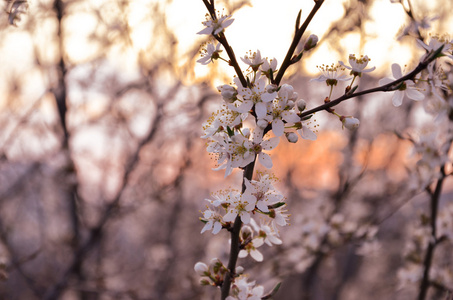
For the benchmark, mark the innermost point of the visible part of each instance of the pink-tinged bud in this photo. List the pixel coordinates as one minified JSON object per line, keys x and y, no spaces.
{"x":205,"y":282}
{"x":228,"y":93}
{"x":201,"y":268}
{"x":246,"y":232}
{"x":311,"y":42}
{"x":292,"y":137}
{"x":350,"y":123}
{"x":262,"y":123}
{"x":270,"y":88}
{"x":301,"y":104}
{"x":216,"y":265}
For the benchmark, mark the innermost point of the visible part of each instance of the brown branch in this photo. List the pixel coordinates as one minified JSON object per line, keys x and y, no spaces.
{"x":392,"y":86}
{"x":223,"y":40}
{"x":287,"y":61}
{"x":435,"y":197}
{"x":96,"y":232}
{"x":235,"y":245}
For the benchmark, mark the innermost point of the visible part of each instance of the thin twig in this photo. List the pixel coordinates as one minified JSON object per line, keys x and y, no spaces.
{"x":287,"y":61}
{"x":392,"y":86}
{"x":425,"y":283}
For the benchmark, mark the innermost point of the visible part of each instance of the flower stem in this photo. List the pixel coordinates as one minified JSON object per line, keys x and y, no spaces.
{"x":234,"y":248}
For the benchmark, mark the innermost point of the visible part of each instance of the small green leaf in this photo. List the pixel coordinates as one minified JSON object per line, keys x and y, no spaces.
{"x":298,"y":20}
{"x":273,"y":292}
{"x":351,"y":91}
{"x":297,"y":58}
{"x":230,"y":132}
{"x":276,"y":205}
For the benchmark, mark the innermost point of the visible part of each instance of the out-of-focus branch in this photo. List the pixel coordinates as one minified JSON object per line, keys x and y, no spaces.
{"x":435,"y":197}
{"x":96,"y":231}
{"x":17,"y":263}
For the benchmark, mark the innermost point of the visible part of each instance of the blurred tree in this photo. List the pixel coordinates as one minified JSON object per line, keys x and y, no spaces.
{"x":102,"y":171}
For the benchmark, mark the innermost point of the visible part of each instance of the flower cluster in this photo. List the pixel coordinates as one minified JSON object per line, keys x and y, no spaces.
{"x":243,"y":290}
{"x":420,"y":237}
{"x":257,"y":111}
{"x":260,"y":198}
{"x":275,"y":109}
{"x":432,"y":147}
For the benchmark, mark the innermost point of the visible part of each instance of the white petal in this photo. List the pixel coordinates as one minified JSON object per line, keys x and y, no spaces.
{"x":230,"y":216}
{"x":245,"y":107}
{"x":397,"y":99}
{"x":396,"y":71}
{"x":385,"y":81}
{"x":320,"y":78}
{"x":256,"y":255}
{"x":207,"y":30}
{"x":265,"y":160}
{"x":262,"y":206}
{"x":290,"y":116}
{"x":307,"y":134}
{"x":268,"y":97}
{"x":274,"y":240}
{"x":415,"y":95}
{"x":217,"y":228}
{"x":369,"y":70}
{"x":278,"y":127}
{"x":261,"y":109}
{"x":270,"y":143}
{"x":227,"y":23}
{"x":245,"y":218}
{"x":243,"y":253}
{"x":207,"y":226}
{"x":258,"y":242}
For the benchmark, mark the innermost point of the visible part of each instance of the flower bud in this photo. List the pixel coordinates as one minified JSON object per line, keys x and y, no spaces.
{"x":350,"y":123}
{"x":201,"y":268}
{"x":228,"y":93}
{"x":294,"y":96}
{"x":270,"y":88}
{"x":216,"y":265}
{"x":286,"y":90}
{"x":205,"y":282}
{"x":301,"y":104}
{"x":261,"y":123}
{"x":291,"y":137}
{"x":246,"y":232}
{"x":239,"y":270}
{"x":246,"y":132}
{"x":311,"y":42}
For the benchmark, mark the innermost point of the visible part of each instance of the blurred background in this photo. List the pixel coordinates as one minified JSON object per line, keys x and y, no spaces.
{"x":103,"y":174}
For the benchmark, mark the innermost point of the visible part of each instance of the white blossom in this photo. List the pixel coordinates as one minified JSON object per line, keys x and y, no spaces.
{"x":250,"y":248}
{"x":351,"y":123}
{"x":216,"y":26}
{"x":209,"y":54}
{"x":358,"y":65}
{"x":331,"y":75}
{"x":243,"y":290}
{"x":406,"y":88}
